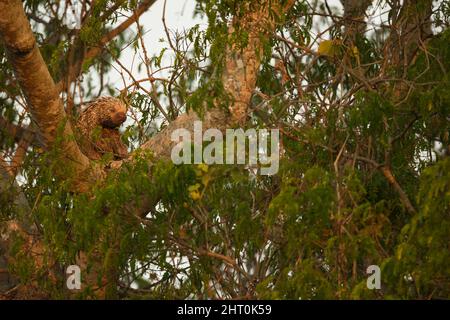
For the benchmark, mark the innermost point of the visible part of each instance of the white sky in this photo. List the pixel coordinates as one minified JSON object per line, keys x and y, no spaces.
{"x":179,"y":16}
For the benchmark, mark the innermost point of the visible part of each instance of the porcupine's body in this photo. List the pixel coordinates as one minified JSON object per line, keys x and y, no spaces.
{"x":98,"y":128}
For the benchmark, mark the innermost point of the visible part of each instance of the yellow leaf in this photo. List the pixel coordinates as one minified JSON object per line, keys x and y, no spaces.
{"x":203,"y":167}
{"x":329,"y":47}
{"x":325,"y":47}
{"x":355,"y":54}
{"x":195,"y":195}
{"x":194,"y":192}
{"x":194,"y":187}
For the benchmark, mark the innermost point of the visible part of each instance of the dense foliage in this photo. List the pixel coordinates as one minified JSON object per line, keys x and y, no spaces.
{"x":364,"y":175}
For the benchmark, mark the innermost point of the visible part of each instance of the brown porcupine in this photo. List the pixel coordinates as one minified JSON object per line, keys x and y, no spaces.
{"x":97,"y":128}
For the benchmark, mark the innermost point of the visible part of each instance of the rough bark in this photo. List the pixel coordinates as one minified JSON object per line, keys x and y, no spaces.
{"x":242,"y":65}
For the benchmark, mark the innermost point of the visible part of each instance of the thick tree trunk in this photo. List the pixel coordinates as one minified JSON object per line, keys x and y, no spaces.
{"x":45,"y":106}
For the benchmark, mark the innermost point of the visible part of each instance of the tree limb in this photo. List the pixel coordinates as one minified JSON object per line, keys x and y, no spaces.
{"x":42,"y":96}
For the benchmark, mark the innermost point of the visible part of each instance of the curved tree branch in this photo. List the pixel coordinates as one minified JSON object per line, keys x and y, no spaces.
{"x":46,"y":108}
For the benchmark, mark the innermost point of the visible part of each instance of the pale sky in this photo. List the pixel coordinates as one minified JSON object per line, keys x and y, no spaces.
{"x":179,"y":16}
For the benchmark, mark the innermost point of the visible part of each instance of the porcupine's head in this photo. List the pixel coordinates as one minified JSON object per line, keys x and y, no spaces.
{"x":107,"y":112}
